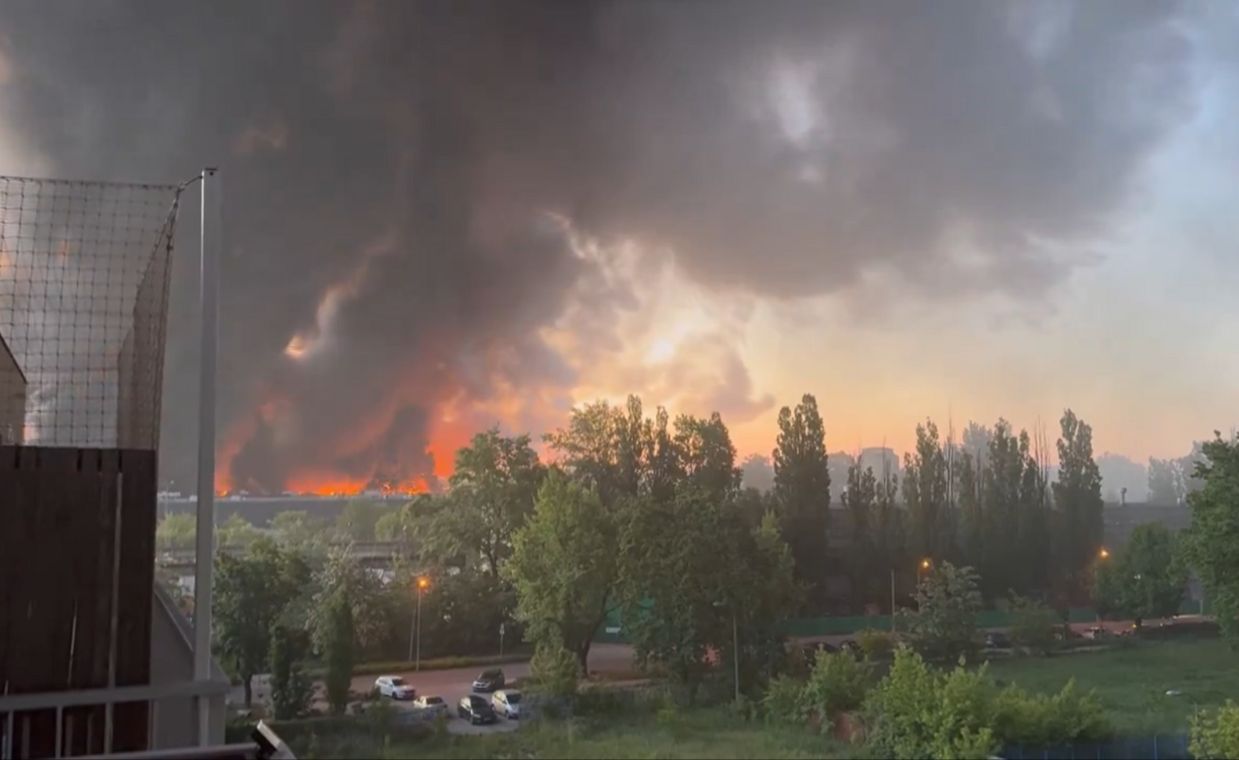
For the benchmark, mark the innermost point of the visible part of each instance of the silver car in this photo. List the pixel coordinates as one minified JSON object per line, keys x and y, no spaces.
{"x":507,"y":702}
{"x":431,"y":706}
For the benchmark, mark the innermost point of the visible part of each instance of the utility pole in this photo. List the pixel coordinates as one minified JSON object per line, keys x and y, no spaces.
{"x":892,"y":600}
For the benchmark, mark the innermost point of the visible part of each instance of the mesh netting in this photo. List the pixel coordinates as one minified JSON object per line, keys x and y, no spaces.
{"x":83,"y":308}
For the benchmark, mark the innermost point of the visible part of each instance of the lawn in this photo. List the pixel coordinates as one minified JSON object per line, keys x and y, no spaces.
{"x":1132,"y":682}
{"x":695,"y":733}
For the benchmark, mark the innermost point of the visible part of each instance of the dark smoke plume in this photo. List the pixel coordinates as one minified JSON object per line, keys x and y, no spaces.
{"x":405,"y":156}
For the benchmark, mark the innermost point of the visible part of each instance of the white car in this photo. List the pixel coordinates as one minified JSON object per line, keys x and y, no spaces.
{"x":394,"y":687}
{"x":432,"y":706}
{"x":507,"y":702}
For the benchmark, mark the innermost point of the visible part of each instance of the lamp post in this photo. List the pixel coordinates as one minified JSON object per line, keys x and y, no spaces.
{"x":415,"y":630}
{"x":1103,"y":554}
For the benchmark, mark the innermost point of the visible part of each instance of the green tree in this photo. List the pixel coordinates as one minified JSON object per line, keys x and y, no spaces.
{"x":931,"y":526}
{"x":291,"y":688}
{"x":707,"y":456}
{"x":251,"y":591}
{"x":944,"y":625}
{"x":865,"y":565}
{"x":296,"y":530}
{"x":493,"y":489}
{"x":802,"y":488}
{"x":1213,"y":539}
{"x":563,"y":567}
{"x":236,"y":532}
{"x":176,"y":532}
{"x":337,"y":648}
{"x":609,"y":449}
{"x":1145,"y":578}
{"x":1077,"y":503}
{"x":374,"y":605}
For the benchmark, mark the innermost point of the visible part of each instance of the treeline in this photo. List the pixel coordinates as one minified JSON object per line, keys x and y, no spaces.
{"x":645,"y":514}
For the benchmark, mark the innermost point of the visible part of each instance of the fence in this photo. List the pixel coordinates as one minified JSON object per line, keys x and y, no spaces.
{"x":1165,"y":747}
{"x":83,"y":305}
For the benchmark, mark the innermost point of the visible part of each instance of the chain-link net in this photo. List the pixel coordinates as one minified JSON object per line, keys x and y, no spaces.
{"x":83,"y":307}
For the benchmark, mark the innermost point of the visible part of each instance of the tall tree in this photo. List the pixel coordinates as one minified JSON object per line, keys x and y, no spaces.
{"x":1077,"y":504}
{"x":707,"y":456}
{"x":176,"y":531}
{"x":563,"y":567}
{"x":925,"y":493}
{"x":802,"y":488}
{"x":689,"y":568}
{"x":251,"y":591}
{"x":605,"y":448}
{"x":493,"y":489}
{"x":338,"y":649}
{"x":1213,"y":539}
{"x":865,"y":566}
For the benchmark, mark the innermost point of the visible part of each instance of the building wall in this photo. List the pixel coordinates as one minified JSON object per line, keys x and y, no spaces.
{"x":172,"y":661}
{"x":12,"y":398}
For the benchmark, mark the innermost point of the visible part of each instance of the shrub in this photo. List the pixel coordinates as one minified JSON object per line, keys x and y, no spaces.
{"x":875,"y":645}
{"x":1037,"y":719}
{"x":1032,"y":624}
{"x":1215,"y":734}
{"x":555,"y":671}
{"x":782,"y":704}
{"x":895,"y":711}
{"x":836,"y":684}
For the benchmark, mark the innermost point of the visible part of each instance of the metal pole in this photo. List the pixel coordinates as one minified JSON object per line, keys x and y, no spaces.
{"x":735,"y":640}
{"x":418,"y":666}
{"x":209,"y":239}
{"x":413,"y":623}
{"x":892,"y":600}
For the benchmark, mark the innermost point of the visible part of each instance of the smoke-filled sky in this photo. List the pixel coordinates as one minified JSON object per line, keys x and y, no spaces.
{"x":446,"y":215}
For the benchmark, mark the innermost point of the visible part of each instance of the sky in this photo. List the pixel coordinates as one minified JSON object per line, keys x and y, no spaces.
{"x":446,"y":216}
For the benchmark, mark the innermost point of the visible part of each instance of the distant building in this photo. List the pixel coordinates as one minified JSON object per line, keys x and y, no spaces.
{"x":12,"y":397}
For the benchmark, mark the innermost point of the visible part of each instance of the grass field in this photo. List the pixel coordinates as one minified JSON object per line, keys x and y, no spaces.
{"x":1132,"y":682}
{"x":696,"y":733}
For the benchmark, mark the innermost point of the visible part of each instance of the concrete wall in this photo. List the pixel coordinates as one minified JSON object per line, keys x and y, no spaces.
{"x":172,"y":661}
{"x":12,"y":397}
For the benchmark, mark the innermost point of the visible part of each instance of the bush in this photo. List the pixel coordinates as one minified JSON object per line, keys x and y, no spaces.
{"x":836,"y":684}
{"x":555,"y":671}
{"x":1032,"y":624}
{"x":875,"y":645}
{"x":1215,"y":734}
{"x":781,"y":703}
{"x":1037,"y":719}
{"x":896,"y":712}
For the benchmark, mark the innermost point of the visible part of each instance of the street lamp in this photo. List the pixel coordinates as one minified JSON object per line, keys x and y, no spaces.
{"x":926,"y":564}
{"x":415,"y":630}
{"x":1104,"y":553}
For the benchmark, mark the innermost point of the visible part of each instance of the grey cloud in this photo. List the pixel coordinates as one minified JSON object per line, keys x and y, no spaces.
{"x":454,"y":126}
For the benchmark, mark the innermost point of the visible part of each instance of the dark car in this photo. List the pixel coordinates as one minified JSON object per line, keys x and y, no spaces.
{"x":475,"y":709}
{"x":490,"y":680}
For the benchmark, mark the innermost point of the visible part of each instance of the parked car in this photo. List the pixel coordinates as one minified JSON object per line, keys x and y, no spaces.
{"x":434,"y":706}
{"x":851,"y":647}
{"x":475,"y":709}
{"x":489,"y":680}
{"x":507,"y":702}
{"x":394,"y":687}
{"x":1096,"y":632}
{"x":997,"y":640}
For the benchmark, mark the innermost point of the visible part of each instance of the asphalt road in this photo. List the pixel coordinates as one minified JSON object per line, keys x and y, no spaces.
{"x":455,"y":683}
